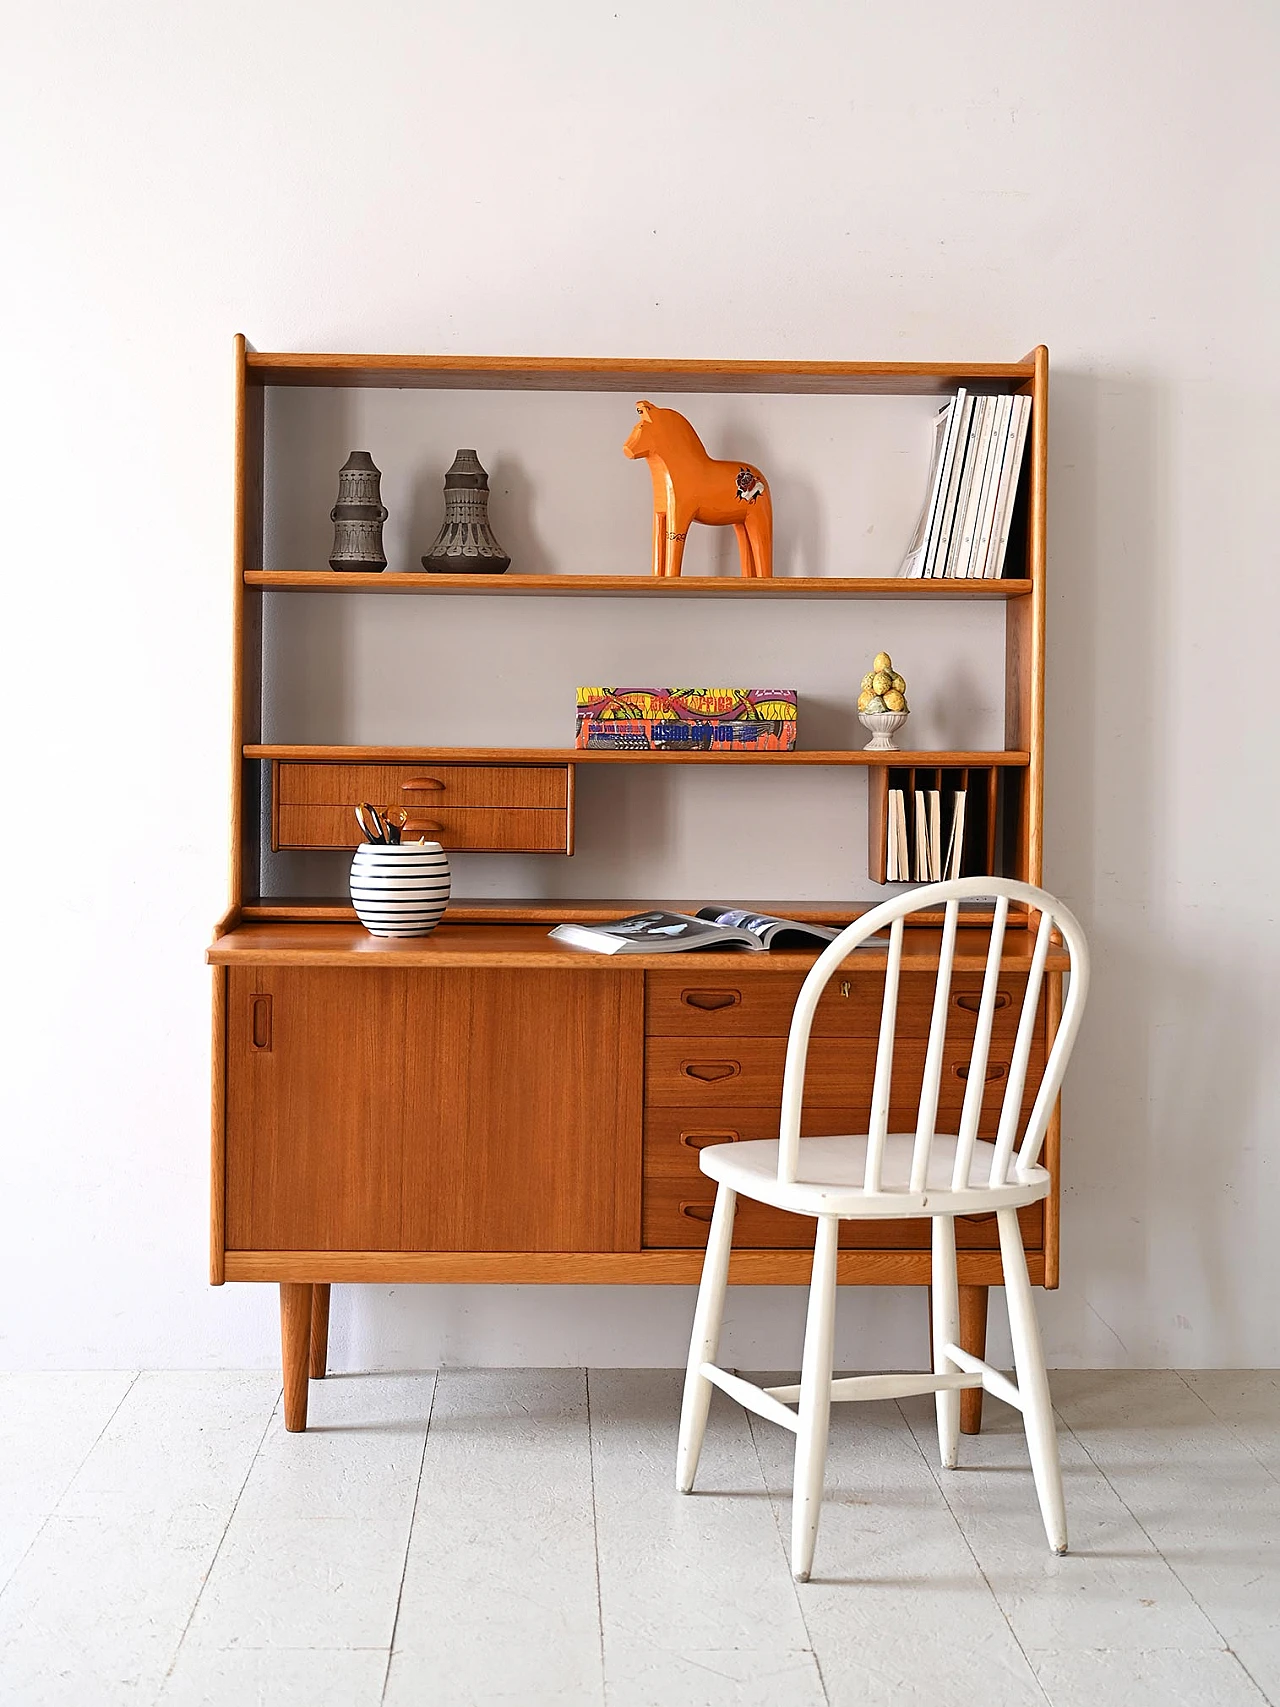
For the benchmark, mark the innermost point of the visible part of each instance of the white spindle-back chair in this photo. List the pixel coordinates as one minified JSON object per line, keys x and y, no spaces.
{"x":896,"y":1175}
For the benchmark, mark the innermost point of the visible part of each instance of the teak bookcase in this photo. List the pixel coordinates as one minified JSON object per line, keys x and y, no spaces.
{"x":485,"y":1104}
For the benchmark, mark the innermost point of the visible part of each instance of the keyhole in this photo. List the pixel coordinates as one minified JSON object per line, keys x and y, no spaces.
{"x":844,"y":988}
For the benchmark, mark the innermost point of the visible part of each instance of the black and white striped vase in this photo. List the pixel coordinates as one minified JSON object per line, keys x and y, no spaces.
{"x":400,"y":891}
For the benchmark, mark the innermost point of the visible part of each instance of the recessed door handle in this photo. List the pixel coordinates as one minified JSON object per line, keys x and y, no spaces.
{"x":697,"y":1211}
{"x":260,"y":1024}
{"x":961,"y":1071}
{"x":709,"y":1071}
{"x":709,"y":1001}
{"x":971,"y":1004}
{"x":701,"y":1140}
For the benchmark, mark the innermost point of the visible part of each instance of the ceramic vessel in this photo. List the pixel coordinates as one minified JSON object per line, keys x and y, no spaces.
{"x":358,"y":516}
{"x":400,"y":891}
{"x":882,"y":725}
{"x":465,"y":544}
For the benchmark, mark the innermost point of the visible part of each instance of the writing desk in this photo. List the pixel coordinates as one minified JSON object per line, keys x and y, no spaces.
{"x":487,"y":1104}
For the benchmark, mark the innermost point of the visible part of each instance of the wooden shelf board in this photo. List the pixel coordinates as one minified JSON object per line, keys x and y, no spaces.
{"x":591,"y":373}
{"x":583,"y":756}
{"x":523,"y":910}
{"x":637,"y":586}
{"x":341,"y":942}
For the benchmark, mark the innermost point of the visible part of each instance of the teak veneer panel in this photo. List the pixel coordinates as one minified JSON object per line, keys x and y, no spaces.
{"x":482,"y":829}
{"x":638,"y":586}
{"x":590,"y":756}
{"x":422,"y":1110}
{"x":613,"y":373}
{"x":419,"y":787}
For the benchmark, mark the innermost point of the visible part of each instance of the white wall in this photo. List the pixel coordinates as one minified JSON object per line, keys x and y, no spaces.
{"x":702,"y":178}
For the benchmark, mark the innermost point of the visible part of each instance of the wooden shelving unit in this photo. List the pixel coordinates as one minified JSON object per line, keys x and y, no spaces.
{"x":483,"y":1105}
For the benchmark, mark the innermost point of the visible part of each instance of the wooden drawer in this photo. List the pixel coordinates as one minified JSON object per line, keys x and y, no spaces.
{"x":477,"y":829}
{"x":678,"y":1196}
{"x":421,"y":786}
{"x":682,"y":1004}
{"x":745,"y":1073}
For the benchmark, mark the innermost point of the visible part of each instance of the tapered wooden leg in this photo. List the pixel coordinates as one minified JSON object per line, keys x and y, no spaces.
{"x":973,"y":1338}
{"x":815,"y":1399}
{"x":1033,"y":1383}
{"x":945,"y":1321}
{"x":319,"y":1332}
{"x":705,"y":1339}
{"x":295,"y":1352}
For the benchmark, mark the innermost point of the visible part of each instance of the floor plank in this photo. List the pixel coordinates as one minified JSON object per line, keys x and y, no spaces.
{"x":499,"y":1601}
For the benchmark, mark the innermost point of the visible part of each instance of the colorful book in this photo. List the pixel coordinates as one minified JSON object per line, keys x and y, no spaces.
{"x":686,"y":719}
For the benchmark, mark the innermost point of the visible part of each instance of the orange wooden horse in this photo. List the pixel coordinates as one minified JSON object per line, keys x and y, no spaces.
{"x":689,"y":486}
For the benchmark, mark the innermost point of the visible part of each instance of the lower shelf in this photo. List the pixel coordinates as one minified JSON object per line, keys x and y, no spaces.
{"x":604,"y":1268}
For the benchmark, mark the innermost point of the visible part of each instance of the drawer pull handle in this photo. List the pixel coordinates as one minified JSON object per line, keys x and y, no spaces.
{"x":697,"y":1211}
{"x":961,"y":1071}
{"x":423,"y":782}
{"x":709,"y":1001}
{"x":260,"y":1024}
{"x":700,"y":1140}
{"x":971,"y":1004}
{"x":423,"y":824}
{"x":708,"y":1071}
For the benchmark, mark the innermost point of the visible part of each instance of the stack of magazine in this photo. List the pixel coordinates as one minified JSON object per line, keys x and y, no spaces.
{"x":963,"y":529}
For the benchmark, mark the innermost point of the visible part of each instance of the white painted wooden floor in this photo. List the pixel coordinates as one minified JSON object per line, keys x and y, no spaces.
{"x":513,"y":1536}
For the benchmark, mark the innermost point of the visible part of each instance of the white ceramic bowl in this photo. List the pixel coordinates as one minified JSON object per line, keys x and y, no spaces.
{"x":882,"y":725}
{"x":400,"y":891}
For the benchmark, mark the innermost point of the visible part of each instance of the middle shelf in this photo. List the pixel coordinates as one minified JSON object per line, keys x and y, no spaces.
{"x":1011,"y":757}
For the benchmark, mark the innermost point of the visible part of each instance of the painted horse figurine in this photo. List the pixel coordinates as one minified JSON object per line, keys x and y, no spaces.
{"x":689,"y":486}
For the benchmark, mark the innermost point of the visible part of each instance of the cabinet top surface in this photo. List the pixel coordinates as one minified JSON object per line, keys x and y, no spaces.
{"x":300,"y":943}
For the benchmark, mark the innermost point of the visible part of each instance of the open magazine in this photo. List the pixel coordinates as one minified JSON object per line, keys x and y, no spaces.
{"x":709,"y":927}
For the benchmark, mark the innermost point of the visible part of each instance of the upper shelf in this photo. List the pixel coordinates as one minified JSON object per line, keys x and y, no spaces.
{"x":538,"y":373}
{"x":638,"y":586}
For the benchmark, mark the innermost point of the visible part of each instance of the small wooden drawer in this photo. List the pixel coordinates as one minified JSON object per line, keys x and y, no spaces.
{"x":474,"y":829}
{"x":678,"y":1196}
{"x":421,"y":786}
{"x":681,"y":1004}
{"x":746,"y":1073}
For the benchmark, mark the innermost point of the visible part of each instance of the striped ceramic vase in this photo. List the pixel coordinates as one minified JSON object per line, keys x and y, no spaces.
{"x":400,"y":891}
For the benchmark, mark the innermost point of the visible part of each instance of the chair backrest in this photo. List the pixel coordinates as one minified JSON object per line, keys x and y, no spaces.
{"x":1011,"y":1160}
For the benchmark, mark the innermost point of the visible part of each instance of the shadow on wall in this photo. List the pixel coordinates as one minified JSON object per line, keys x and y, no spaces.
{"x":1164,"y":1084}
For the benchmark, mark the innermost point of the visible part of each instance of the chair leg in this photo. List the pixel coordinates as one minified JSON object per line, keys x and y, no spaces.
{"x":1033,"y":1383}
{"x":946,"y":1329}
{"x":705,"y":1339}
{"x":815,"y":1399}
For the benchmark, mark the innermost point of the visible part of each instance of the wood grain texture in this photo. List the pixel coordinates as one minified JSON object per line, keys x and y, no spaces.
{"x":469,"y":1110}
{"x":478,"y":910}
{"x":639,"y":586}
{"x":319,"y":1363}
{"x":612,"y":373}
{"x":522,"y":1112}
{"x":295,"y":1351}
{"x":973,"y":1338}
{"x":421,"y":787}
{"x":684,"y":1005}
{"x":678,"y":1196}
{"x":585,"y":756}
{"x":218,"y":1132}
{"x":746,"y":1073}
{"x":602,"y":1268}
{"x":477,"y":829}
{"x":286,"y":942}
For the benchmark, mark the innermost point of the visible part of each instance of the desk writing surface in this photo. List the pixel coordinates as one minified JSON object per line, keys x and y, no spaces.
{"x":339,"y":943}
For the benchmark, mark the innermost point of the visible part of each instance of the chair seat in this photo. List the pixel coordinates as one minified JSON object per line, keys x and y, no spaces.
{"x":831,"y":1172}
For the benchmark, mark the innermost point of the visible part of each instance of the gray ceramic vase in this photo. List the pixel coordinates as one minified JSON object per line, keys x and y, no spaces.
{"x":358,"y":516}
{"x":465,"y":544}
